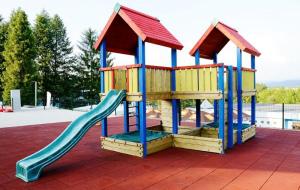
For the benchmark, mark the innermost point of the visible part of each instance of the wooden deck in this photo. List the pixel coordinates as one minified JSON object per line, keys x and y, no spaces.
{"x":270,"y":161}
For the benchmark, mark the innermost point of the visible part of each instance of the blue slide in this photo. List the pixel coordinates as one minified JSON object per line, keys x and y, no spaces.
{"x":30,"y":168}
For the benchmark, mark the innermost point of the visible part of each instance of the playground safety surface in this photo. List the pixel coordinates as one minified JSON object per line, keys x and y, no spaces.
{"x":269,"y":161}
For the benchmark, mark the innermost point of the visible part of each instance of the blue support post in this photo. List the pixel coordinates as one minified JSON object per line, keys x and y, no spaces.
{"x":102,"y":83}
{"x":198,"y":102}
{"x":230,"y":107}
{"x":253,"y":98}
{"x":239,"y":96}
{"x":173,"y":88}
{"x":179,"y":111}
{"x":126,"y":116}
{"x":215,"y":61}
{"x":221,"y":105}
{"x":142,"y":89}
{"x":137,"y":118}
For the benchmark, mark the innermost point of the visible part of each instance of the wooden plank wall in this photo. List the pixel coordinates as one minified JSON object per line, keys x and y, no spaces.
{"x":158,"y":80}
{"x":197,"y":143}
{"x":248,"y":133}
{"x":166,"y":113}
{"x":133,"y":86}
{"x":197,"y":80}
{"x":120,"y":79}
{"x":107,"y":81}
{"x":125,"y":147}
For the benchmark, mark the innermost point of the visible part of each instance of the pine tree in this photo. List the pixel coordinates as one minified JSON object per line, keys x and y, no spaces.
{"x":88,"y":63}
{"x":19,"y":57}
{"x":62,"y":63}
{"x":44,"y":41}
{"x":3,"y":37}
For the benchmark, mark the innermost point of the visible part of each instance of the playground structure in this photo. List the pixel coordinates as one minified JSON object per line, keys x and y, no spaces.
{"x":126,"y":32}
{"x":217,"y":82}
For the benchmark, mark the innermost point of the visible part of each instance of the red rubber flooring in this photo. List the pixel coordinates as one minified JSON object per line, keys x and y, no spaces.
{"x":270,"y":161}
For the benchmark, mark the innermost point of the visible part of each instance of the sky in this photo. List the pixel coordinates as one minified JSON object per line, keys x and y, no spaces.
{"x":272,"y":26}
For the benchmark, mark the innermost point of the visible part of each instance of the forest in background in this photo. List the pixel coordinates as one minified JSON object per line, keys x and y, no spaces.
{"x":42,"y":52}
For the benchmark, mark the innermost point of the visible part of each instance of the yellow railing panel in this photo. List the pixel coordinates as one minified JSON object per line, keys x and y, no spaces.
{"x":208,"y":80}
{"x":248,"y":80}
{"x":202,"y":80}
{"x":195,"y":80}
{"x":213,"y":79}
{"x":120,"y":79}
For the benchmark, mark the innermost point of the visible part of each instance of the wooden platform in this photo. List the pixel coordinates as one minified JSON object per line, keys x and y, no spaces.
{"x":270,"y":161}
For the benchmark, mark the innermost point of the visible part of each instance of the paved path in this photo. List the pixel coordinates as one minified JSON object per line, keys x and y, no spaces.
{"x":270,"y":161}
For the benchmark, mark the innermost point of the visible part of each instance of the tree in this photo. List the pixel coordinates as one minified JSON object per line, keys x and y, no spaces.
{"x":19,"y":54}
{"x":44,"y":41}
{"x":62,"y":63}
{"x":3,"y":37}
{"x":88,"y":62}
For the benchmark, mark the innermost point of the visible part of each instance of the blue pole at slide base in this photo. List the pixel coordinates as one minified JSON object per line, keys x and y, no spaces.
{"x":142,"y":89}
{"x":126,"y":116}
{"x":215,"y":61}
{"x":137,"y":117}
{"x":173,"y":88}
{"x":102,"y":82}
{"x":198,"y":102}
{"x":230,"y":107}
{"x":239,"y":96}
{"x":221,"y":105}
{"x":253,"y":98}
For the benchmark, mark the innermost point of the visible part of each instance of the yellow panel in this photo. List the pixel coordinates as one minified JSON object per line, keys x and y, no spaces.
{"x":158,"y":78}
{"x":153,"y":81}
{"x":195,"y":79}
{"x":168,"y":80}
{"x":214,"y":82}
{"x":207,"y":79}
{"x":178,"y":76}
{"x":188,"y":82}
{"x":106,"y":80}
{"x":148,"y":80}
{"x":135,"y":80}
{"x":183,"y":80}
{"x":201,"y":80}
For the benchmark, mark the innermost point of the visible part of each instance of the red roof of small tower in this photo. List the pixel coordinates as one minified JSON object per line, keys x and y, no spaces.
{"x":216,"y":37}
{"x":126,"y":24}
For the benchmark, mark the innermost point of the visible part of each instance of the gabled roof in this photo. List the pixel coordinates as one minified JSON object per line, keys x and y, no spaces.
{"x":216,"y":37}
{"x":126,"y":24}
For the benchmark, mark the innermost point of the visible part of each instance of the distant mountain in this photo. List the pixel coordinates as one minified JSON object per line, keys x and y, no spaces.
{"x":285,"y":83}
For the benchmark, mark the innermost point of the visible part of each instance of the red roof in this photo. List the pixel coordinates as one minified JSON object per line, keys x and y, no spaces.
{"x":216,"y":37}
{"x":126,"y":24}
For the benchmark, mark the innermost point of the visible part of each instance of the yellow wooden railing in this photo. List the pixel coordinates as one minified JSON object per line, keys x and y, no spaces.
{"x":158,"y":80}
{"x":197,"y":80}
{"x":248,"y":80}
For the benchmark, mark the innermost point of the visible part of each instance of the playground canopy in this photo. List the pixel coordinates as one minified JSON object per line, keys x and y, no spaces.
{"x":216,"y":37}
{"x":125,"y":25}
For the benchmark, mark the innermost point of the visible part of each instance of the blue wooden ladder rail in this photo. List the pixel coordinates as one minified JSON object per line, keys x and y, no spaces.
{"x":198,"y":102}
{"x":142,"y":90}
{"x":230,"y":107}
{"x":173,"y":89}
{"x":239,"y":96}
{"x":102,"y":52}
{"x":221,"y":105}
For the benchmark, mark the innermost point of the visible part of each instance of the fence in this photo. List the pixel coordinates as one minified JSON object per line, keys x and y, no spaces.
{"x":282,"y":116}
